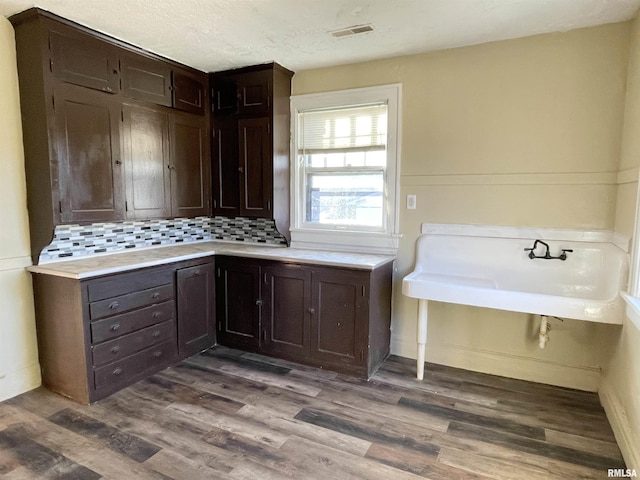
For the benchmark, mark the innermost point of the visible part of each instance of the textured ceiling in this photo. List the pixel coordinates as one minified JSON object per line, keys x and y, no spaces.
{"x":215,"y":35}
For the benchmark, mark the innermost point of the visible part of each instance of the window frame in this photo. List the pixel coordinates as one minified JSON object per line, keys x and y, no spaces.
{"x":340,"y":237}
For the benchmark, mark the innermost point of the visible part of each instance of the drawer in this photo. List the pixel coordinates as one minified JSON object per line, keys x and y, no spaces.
{"x":126,"y":345}
{"x":135,"y":364}
{"x":115,"y":305}
{"x":123,"y":283}
{"x":119,"y":325}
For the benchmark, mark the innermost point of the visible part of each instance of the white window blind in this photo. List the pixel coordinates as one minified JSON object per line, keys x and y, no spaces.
{"x":343,"y":156}
{"x":360,"y":128}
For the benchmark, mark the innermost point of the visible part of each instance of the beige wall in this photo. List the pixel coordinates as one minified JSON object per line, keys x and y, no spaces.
{"x":19,"y":370}
{"x":521,"y":132}
{"x":620,"y":392}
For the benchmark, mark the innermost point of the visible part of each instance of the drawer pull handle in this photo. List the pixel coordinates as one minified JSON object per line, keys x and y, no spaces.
{"x":156,"y":314}
{"x":117,"y":371}
{"x":155,"y":334}
{"x":196,"y":273}
{"x":312,"y":311}
{"x":115,"y":349}
{"x":114,"y":306}
{"x":115,"y":327}
{"x":155,"y":295}
{"x":157,"y":354}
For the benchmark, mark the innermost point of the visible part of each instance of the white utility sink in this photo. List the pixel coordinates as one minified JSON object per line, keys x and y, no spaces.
{"x":496,"y":272}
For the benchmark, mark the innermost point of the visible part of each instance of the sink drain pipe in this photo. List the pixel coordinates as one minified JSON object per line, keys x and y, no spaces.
{"x":543,"y":336}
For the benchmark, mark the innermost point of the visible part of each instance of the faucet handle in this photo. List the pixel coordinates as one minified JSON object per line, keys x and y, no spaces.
{"x":563,"y":255}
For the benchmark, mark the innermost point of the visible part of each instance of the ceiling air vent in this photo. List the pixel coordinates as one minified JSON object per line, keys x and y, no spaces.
{"x":353,"y":30}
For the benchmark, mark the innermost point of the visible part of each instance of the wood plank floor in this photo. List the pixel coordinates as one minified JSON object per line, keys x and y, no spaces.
{"x":232,"y":415}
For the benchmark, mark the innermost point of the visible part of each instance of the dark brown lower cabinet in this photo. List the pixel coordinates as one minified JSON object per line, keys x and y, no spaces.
{"x":238,"y":302}
{"x":340,"y":317}
{"x":329,"y":317}
{"x":97,"y":336}
{"x":287,"y":310}
{"x":196,"y":308}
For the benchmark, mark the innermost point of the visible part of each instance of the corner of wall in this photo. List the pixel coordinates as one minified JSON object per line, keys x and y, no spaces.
{"x":627,"y":436}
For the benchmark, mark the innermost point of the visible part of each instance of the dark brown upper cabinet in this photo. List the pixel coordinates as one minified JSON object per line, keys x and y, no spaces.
{"x":190,"y":166}
{"x":105,"y":129}
{"x":225,"y":167}
{"x":147,"y":160}
{"x":166,"y":163}
{"x":256,"y":174}
{"x":146,"y":79}
{"x":189,"y":92}
{"x":87,"y":145}
{"x":250,"y":155}
{"x":254,"y":92}
{"x":224,"y":98}
{"x":81,"y":60}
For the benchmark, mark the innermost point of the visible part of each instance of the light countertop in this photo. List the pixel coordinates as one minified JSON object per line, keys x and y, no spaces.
{"x":97,"y":265}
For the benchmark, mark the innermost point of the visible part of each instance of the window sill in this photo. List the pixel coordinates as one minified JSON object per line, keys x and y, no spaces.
{"x":346,"y":241}
{"x":633,"y":308}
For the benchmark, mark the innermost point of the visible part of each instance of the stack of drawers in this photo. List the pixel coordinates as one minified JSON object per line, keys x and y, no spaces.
{"x":132,"y":326}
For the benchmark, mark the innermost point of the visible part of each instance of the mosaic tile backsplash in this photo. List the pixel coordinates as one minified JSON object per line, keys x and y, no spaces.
{"x":81,"y":240}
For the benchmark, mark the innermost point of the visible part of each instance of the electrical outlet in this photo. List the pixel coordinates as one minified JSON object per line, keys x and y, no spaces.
{"x":411,"y":202}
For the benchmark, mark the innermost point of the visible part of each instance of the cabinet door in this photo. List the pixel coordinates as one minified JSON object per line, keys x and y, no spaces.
{"x":226,"y":184}
{"x":146,"y":79}
{"x":85,"y":61}
{"x":339,"y":320}
{"x":196,"y":309}
{"x":287,"y":309}
{"x":238,"y":302}
{"x":189,"y":92}
{"x":190,"y":166}
{"x":146,"y":154}
{"x":87,"y":140}
{"x":225,"y":96}
{"x":255,"y":167}
{"x":254,"y":92}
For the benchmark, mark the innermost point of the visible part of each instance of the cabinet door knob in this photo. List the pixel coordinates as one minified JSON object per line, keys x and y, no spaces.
{"x":155,"y":333}
{"x":241,"y":169}
{"x":118,"y":162}
{"x":259,"y":302}
{"x":117,"y":371}
{"x":156,"y":314}
{"x":115,"y":349}
{"x":312,"y":311}
{"x":157,"y":354}
{"x":114,"y":306}
{"x":155,"y":295}
{"x":115,"y":327}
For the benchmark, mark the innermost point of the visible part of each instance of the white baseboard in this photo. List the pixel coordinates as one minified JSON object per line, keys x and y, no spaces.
{"x":628,"y":438}
{"x":505,"y":365}
{"x":20,"y":381}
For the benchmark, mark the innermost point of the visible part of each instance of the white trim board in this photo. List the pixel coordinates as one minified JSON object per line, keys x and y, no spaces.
{"x":605,"y":178}
{"x":506,"y":231}
{"x":19,"y":381}
{"x":504,"y":365}
{"x":627,"y":437}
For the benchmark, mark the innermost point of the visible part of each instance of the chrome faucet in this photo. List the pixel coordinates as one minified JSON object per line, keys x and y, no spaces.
{"x":547,"y":254}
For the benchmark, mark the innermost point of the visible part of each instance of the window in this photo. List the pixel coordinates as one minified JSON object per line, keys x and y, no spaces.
{"x":344,"y":176}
